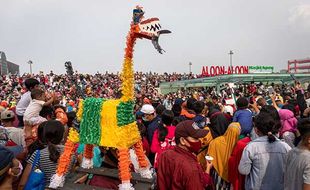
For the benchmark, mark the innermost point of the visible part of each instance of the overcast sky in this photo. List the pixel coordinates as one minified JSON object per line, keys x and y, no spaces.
{"x":91,"y":33}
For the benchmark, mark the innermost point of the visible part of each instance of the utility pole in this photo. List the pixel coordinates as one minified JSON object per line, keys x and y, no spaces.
{"x":30,"y":65}
{"x":231,"y":54}
{"x":190,"y":67}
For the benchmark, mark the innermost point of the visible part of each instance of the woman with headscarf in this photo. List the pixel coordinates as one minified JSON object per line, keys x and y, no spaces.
{"x":218,"y":122}
{"x":220,"y":149}
{"x":217,"y":127}
{"x":288,"y":126}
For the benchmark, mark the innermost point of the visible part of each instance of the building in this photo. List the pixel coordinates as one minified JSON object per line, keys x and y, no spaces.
{"x":217,"y":81}
{"x":6,"y":66}
{"x":299,"y":66}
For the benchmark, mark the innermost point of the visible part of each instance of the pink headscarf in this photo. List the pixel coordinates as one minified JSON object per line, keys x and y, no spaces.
{"x":288,"y":121}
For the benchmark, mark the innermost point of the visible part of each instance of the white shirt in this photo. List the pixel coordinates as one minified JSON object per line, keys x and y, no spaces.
{"x":33,"y":110}
{"x":23,"y":103}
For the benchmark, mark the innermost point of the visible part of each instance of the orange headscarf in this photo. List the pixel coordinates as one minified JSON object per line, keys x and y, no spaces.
{"x":221,"y":148}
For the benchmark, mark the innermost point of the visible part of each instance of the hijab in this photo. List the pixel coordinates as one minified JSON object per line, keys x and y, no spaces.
{"x":221,"y":148}
{"x":218,"y":122}
{"x":288,"y":121}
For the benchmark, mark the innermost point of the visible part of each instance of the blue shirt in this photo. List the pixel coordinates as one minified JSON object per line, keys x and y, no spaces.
{"x":200,"y":121}
{"x":244,"y":117}
{"x":151,"y":128}
{"x":263,"y":163}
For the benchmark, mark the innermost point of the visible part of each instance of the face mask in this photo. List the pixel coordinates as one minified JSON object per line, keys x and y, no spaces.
{"x":144,"y":119}
{"x":195,"y":146}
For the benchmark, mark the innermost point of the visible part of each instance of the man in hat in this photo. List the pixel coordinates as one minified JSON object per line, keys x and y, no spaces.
{"x":15,"y":134}
{"x":178,"y":168}
{"x":150,"y":120}
{"x":16,"y":139}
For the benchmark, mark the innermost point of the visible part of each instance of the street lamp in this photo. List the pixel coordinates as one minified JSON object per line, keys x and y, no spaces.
{"x":231,"y":54}
{"x":30,"y":64}
{"x":190,"y":67}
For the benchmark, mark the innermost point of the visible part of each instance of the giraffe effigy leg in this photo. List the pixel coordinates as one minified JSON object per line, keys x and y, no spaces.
{"x":87,"y":161}
{"x":58,"y":179}
{"x":144,"y":170}
{"x":124,"y":171}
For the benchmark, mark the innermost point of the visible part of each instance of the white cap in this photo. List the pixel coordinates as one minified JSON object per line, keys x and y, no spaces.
{"x":7,"y":114}
{"x":147,"y":109}
{"x":229,"y":109}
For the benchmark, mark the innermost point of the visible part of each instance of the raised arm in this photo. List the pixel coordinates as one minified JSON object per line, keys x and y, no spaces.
{"x":272,"y":97}
{"x":300,"y":98}
{"x":50,"y":101}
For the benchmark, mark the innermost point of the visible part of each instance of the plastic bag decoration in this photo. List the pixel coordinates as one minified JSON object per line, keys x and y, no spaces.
{"x":111,"y":123}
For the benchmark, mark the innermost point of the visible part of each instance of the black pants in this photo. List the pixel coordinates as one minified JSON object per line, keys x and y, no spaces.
{"x":20,"y":121}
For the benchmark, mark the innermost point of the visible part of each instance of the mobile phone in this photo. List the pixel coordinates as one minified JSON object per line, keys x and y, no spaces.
{"x":270,"y":90}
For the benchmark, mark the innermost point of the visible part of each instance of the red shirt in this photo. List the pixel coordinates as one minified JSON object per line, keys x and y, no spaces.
{"x":235,"y":178}
{"x":179,"y":169}
{"x":158,"y":147}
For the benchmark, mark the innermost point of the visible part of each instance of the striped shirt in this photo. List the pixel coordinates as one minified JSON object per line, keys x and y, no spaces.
{"x":46,"y":165}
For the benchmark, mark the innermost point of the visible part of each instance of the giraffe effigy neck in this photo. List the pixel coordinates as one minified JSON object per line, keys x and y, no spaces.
{"x":127,"y":74}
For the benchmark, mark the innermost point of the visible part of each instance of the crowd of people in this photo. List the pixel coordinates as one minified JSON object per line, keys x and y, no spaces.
{"x":243,"y":136}
{"x":100,"y":85}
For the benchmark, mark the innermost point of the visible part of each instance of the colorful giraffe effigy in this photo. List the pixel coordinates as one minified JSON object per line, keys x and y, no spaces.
{"x":111,"y":123}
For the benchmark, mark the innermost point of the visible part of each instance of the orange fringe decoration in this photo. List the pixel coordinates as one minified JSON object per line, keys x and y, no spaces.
{"x":88,"y":152}
{"x":140,"y":154}
{"x":123,"y":164}
{"x":131,"y":39}
{"x":65,"y":158}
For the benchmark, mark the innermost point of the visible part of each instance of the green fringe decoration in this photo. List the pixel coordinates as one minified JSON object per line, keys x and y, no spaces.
{"x":90,"y":128}
{"x":125,"y":114}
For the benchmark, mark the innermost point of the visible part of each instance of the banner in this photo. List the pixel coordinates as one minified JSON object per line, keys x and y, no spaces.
{"x":223,"y":70}
{"x":227,"y":70}
{"x":261,"y":69}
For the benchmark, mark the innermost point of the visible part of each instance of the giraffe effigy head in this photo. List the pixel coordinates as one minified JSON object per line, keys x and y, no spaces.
{"x":148,"y":28}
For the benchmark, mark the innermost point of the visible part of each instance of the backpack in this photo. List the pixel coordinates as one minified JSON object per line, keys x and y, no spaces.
{"x":4,"y":137}
{"x":168,"y":143}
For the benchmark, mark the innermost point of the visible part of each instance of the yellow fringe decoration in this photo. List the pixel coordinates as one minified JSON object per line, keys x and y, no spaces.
{"x":73,"y":135}
{"x":111,"y":134}
{"x":127,"y":77}
{"x":79,"y":114}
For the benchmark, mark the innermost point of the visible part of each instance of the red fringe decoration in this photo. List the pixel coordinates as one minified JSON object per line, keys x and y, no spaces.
{"x":88,"y":152}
